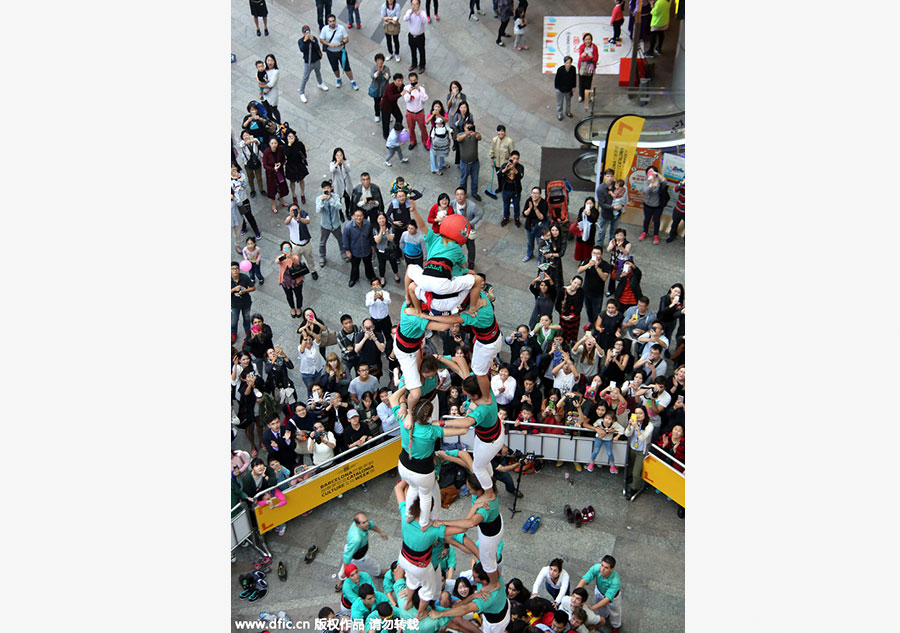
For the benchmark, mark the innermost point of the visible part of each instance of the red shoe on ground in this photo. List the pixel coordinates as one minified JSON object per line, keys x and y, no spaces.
{"x":643,"y":235}
{"x":656,"y":239}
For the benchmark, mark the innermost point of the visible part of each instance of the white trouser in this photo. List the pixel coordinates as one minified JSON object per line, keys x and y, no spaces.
{"x":409,"y":368}
{"x":481,"y":460}
{"x":612,"y":611}
{"x":483,"y":355}
{"x":447,"y":304}
{"x":439,"y":285}
{"x":500,"y":627}
{"x":421,"y":578}
{"x":487,"y":549}
{"x":368,"y":565}
{"x":421,"y":487}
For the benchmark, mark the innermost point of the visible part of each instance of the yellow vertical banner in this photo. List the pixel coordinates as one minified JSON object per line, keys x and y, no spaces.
{"x":621,"y":144}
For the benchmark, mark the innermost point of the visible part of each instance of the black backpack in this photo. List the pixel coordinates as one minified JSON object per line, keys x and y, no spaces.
{"x":663,"y":194}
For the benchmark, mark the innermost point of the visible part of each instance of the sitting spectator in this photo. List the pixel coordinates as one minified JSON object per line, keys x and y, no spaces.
{"x":553,"y":581}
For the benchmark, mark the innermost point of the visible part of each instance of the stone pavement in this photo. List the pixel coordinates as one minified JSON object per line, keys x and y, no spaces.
{"x":502,"y":86}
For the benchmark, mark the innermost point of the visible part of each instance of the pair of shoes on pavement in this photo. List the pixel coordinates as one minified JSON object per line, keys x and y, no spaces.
{"x":532,"y":524}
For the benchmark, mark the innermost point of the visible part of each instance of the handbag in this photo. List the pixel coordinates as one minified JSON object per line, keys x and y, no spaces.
{"x":253,"y":162}
{"x":392,"y":28}
{"x":298,"y":270}
{"x":373,"y":90}
{"x":327,"y":338}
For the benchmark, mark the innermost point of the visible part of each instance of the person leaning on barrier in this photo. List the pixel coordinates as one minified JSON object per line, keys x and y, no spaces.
{"x":258,"y":478}
{"x":321,"y":444}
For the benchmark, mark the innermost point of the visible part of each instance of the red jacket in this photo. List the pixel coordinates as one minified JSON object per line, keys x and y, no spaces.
{"x":593,"y":57}
{"x":678,"y":453}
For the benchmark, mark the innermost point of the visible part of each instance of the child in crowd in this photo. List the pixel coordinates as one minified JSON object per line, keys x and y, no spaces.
{"x":618,"y":17}
{"x":393,"y":145}
{"x":400,"y":184}
{"x":269,"y":499}
{"x":262,"y":79}
{"x":519,"y":29}
{"x":526,"y":415}
{"x":412,"y":244}
{"x":252,"y":253}
{"x":281,"y":473}
{"x":620,"y":194}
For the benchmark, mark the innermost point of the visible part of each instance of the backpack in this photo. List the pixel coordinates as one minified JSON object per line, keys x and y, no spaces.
{"x":663,"y":194}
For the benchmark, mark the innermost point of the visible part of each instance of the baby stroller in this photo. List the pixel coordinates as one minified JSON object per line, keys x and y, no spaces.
{"x":557,"y":192}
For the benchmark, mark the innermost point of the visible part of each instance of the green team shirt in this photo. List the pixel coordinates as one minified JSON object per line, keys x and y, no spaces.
{"x":485,"y":415}
{"x":427,"y":625}
{"x":491,"y":512}
{"x":450,"y":251}
{"x":423,"y":437}
{"x":359,"y":610}
{"x":608,"y":587}
{"x":357,"y":538}
{"x":438,"y":461}
{"x":483,"y":318}
{"x":428,"y":384}
{"x":411,"y":326}
{"x":495,"y":602}
{"x":388,"y":583}
{"x":351,"y":589}
{"x":445,"y":562}
{"x":414,"y":537}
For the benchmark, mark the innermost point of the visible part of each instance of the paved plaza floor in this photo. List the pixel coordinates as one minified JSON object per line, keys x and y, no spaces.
{"x":503,"y":86}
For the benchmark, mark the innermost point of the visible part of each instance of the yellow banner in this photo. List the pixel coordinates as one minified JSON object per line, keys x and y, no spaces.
{"x":621,"y":143}
{"x":664,"y":478}
{"x":337,"y":480}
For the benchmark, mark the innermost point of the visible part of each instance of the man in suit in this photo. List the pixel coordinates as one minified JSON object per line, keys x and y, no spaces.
{"x":367,"y":196}
{"x":281,"y":442}
{"x":472,"y":213}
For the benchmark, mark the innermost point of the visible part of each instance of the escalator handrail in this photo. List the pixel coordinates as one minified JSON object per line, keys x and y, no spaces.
{"x":611,"y":117}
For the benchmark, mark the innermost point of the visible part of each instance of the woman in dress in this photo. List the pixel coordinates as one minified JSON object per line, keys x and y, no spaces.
{"x":384,"y":250}
{"x":556,"y":245}
{"x":569,"y":304}
{"x":296,"y":167}
{"x":462,"y":118}
{"x":340,"y":180}
{"x":617,"y":362}
{"x":276,"y":183}
{"x":588,"y":54}
{"x":258,"y":9}
{"x":587,"y":230}
{"x":607,"y":326}
{"x":293,"y":288}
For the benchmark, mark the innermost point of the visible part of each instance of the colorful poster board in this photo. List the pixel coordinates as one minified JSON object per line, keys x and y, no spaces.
{"x":643,"y":158}
{"x":562,"y":36}
{"x":673,"y":168}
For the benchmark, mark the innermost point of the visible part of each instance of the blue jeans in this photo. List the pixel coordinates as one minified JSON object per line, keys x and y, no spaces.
{"x":235,"y":313}
{"x":602,"y":442}
{"x":438,"y":161}
{"x":467,"y":170}
{"x":255,"y":272}
{"x":534,"y":233}
{"x":603,"y":224}
{"x":353,"y":12}
{"x":513,"y":197}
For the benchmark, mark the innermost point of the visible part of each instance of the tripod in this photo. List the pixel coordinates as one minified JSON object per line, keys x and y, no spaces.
{"x":518,"y":482}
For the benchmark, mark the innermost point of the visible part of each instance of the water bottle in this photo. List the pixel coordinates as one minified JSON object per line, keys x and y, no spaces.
{"x":569,"y":479}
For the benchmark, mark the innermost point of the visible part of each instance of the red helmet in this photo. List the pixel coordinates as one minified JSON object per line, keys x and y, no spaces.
{"x":456,"y":228}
